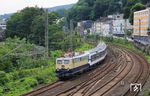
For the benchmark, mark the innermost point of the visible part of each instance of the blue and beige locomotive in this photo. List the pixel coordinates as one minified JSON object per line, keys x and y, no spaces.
{"x":73,"y":63}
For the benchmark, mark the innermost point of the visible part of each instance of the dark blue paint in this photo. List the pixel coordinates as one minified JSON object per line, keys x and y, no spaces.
{"x":65,"y":72}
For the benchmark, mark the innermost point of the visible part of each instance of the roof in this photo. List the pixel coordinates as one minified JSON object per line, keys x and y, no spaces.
{"x":100,"y":47}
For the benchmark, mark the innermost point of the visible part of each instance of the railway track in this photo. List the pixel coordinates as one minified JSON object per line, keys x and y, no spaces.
{"x":111,"y":78}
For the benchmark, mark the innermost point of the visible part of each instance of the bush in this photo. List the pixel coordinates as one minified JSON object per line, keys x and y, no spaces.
{"x":84,"y":47}
{"x":40,"y":80}
{"x":32,"y":82}
{"x":20,"y":86}
{"x":13,"y":76}
{"x":3,"y":78}
{"x":1,"y":90}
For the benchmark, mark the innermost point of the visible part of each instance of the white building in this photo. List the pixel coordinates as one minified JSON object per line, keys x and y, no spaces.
{"x":103,"y":26}
{"x":120,"y":24}
{"x":3,"y":25}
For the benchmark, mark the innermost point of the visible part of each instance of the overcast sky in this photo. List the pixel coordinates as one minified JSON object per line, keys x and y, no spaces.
{"x":11,"y":6}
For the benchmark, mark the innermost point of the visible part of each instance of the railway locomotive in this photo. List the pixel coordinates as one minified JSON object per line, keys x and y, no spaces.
{"x":74,"y":63}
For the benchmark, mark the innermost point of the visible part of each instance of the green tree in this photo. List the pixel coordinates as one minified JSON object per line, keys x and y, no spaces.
{"x":20,"y":23}
{"x":144,"y":1}
{"x":99,"y":9}
{"x":37,"y":29}
{"x":55,"y":36}
{"x":61,"y":12}
{"x":136,"y":7}
{"x":53,"y":17}
{"x":115,"y":7}
{"x":3,"y":78}
{"x":129,"y":32}
{"x":79,"y":12}
{"x":29,"y":23}
{"x":126,"y":12}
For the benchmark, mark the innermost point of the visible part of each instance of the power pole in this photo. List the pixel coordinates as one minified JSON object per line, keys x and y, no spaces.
{"x":111,"y":29}
{"x":139,"y":29}
{"x":125,"y":29}
{"x":71,"y":34}
{"x":96,"y":25}
{"x":46,"y":34}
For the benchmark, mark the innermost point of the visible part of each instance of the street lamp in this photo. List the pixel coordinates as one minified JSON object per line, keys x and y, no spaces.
{"x":139,"y":29}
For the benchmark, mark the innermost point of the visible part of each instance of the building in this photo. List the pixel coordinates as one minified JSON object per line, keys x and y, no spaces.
{"x":120,"y":25}
{"x":105,"y":26}
{"x":3,"y":24}
{"x":101,"y":27}
{"x":111,"y":25}
{"x":141,"y":24}
{"x":83,"y":26}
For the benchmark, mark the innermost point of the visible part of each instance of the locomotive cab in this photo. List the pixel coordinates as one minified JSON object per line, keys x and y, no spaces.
{"x":63,"y":65}
{"x":68,"y":66}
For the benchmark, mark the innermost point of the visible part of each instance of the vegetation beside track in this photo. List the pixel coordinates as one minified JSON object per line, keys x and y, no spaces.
{"x":22,"y":69}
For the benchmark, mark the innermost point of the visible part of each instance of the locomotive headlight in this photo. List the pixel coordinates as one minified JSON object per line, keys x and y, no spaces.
{"x":57,"y":69}
{"x":63,"y":67}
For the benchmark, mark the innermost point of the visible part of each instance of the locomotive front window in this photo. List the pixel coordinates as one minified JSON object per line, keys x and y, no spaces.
{"x":66,"y":61}
{"x":59,"y":61}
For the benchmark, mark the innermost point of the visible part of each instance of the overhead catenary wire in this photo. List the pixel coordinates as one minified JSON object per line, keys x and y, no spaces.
{"x":46,"y":34}
{"x":11,"y":51}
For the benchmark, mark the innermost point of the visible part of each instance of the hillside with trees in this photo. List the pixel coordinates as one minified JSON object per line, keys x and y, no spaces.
{"x":94,"y":9}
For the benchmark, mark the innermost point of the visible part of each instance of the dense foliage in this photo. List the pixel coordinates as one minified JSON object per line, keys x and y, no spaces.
{"x":136,"y":7}
{"x":20,"y":23}
{"x":29,"y":23}
{"x":23,"y":66}
{"x":94,"y":9}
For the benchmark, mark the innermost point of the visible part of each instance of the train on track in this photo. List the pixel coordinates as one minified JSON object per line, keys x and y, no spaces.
{"x":73,"y":63}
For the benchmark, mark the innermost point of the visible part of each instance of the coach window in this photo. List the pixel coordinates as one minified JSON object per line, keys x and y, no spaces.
{"x":59,"y":61}
{"x":92,"y":58}
{"x":98,"y":55}
{"x":80,"y":59}
{"x":66,"y":61}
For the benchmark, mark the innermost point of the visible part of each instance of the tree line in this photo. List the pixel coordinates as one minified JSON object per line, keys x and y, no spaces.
{"x":94,"y":9}
{"x":29,"y":23}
